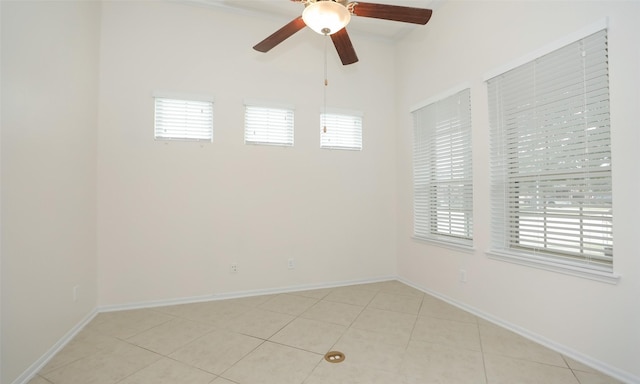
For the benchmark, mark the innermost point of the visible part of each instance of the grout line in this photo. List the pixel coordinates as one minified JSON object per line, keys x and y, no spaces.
{"x":224,"y":328}
{"x":484,"y":362}
{"x":284,"y":326}
{"x":294,"y":347}
{"x":242,"y":358}
{"x":415,"y":323}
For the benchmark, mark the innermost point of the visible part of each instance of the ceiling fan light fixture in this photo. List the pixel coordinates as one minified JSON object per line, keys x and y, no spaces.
{"x":326,"y":17}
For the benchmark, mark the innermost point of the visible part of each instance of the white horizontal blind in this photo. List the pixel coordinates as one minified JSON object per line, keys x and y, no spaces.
{"x":266,"y":125}
{"x":340,"y":131}
{"x":183,"y":119}
{"x":551,"y":157}
{"x":442,"y":170}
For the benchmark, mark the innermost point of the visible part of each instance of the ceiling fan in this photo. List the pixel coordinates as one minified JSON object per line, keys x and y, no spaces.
{"x":330,"y":17}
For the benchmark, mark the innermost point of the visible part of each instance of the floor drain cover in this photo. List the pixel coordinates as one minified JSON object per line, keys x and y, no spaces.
{"x":334,"y":357}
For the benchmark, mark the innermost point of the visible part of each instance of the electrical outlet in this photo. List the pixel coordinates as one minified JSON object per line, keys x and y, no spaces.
{"x":463,"y":276}
{"x":291,"y":263}
{"x":234,"y":268}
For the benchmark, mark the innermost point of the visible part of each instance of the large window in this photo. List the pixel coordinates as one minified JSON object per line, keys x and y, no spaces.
{"x":551,"y":159}
{"x":341,"y":130}
{"x":442,"y":171}
{"x":177,"y":119}
{"x":268,"y":125}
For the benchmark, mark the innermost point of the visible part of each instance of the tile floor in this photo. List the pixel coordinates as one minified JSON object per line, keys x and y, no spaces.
{"x":389,"y":332}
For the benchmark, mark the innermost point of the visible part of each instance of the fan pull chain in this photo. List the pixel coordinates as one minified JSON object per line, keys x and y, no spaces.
{"x":326,"y":84}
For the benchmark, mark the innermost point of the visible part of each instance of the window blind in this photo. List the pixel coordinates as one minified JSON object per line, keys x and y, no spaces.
{"x":183,"y":119}
{"x":340,"y":131}
{"x":266,"y":125}
{"x":442,"y":170}
{"x":551,"y":157}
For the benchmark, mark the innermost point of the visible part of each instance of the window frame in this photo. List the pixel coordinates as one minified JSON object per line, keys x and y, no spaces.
{"x":273,"y":133}
{"x":191,"y":129}
{"x":504,"y":230}
{"x":442,"y":158}
{"x":343,"y":117}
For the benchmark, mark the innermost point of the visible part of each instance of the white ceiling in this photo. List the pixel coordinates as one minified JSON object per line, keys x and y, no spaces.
{"x":286,"y":10}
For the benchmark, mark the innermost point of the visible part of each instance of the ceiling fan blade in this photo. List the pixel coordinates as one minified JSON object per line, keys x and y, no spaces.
{"x":280,"y":35}
{"x":343,"y":45}
{"x":392,"y":12}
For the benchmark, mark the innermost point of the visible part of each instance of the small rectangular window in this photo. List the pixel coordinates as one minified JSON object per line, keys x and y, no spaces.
{"x":340,"y":131}
{"x":183,"y":119}
{"x":268,"y":125}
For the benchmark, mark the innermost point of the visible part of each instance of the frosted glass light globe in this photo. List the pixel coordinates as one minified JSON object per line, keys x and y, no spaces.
{"x":326,"y":17}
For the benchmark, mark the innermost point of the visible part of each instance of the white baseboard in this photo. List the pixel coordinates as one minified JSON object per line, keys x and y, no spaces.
{"x":238,"y":294}
{"x":45,"y":358}
{"x":30,"y":372}
{"x":598,"y":365}
{"x":577,"y":356}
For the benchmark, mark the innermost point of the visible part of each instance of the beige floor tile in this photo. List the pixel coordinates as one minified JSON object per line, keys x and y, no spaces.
{"x":348,"y":372}
{"x":378,"y":337}
{"x":378,"y":326}
{"x":398,"y":288}
{"x":85,"y":343}
{"x":179,"y":310}
{"x":260,"y":323}
{"x":372,"y":350}
{"x":169,"y":336}
{"x":39,"y":380}
{"x":506,"y":370}
{"x":252,"y":301}
{"x":96,"y":339}
{"x":396,"y":303}
{"x":394,"y":323}
{"x":595,"y":378}
{"x":288,"y":304}
{"x":167,"y":371}
{"x":332,"y":312}
{"x":499,"y":341}
{"x":124,"y":324}
{"x":368,"y":286}
{"x":354,"y":295}
{"x":215,"y":352}
{"x":441,"y":364}
{"x":273,"y":363}
{"x":310,"y":335}
{"x":588,"y":375}
{"x":434,"y":307}
{"x":578,"y":366}
{"x":105,"y":367}
{"x":314,"y":293}
{"x":447,"y":332}
{"x":219,"y":313}
{"x":222,"y":380}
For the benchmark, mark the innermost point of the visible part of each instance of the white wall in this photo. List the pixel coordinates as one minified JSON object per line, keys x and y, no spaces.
{"x":465,"y":40}
{"x":170,"y":218}
{"x":49,"y":130}
{"x":173,"y":217}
